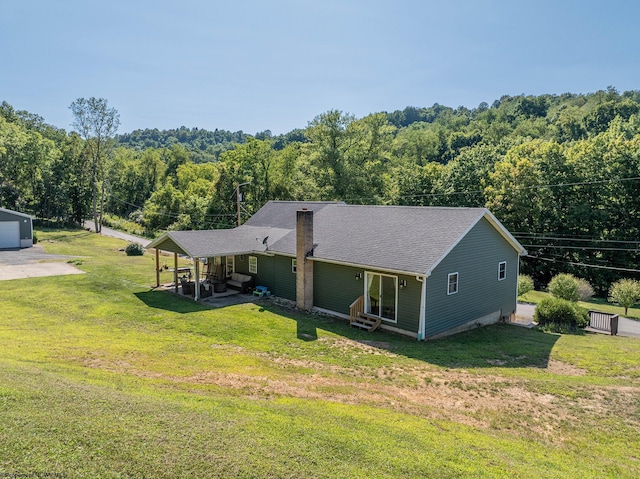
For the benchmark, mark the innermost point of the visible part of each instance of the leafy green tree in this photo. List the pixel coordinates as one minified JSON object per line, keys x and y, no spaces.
{"x":13,"y":139}
{"x":463,"y":179}
{"x":512,"y":191}
{"x":96,"y":123}
{"x":163,"y":208}
{"x":331,"y":138}
{"x":625,"y":292}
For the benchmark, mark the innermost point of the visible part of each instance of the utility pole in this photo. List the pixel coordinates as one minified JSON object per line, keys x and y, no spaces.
{"x":239,"y":199}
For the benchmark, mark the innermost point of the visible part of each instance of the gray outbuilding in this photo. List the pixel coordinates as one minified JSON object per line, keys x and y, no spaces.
{"x":16,"y":229}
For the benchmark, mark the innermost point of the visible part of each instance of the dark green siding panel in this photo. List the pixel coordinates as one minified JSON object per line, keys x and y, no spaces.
{"x":266,"y":275}
{"x":242,"y":264}
{"x":285,"y":279}
{"x":274,"y":272}
{"x":266,"y":270}
{"x":409,"y":304}
{"x":475,"y":259}
{"x":335,"y":288}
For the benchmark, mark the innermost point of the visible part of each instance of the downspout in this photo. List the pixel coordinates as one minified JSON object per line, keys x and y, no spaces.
{"x":423,"y":307}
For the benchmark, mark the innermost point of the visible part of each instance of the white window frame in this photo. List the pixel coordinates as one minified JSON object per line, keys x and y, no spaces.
{"x":253,"y":264}
{"x":294,"y":265}
{"x":502,"y":273}
{"x":449,"y":292}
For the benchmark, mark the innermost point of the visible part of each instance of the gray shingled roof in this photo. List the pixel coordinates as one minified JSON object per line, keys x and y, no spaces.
{"x":410,"y":239}
{"x":209,"y":243}
{"x":282,"y":214}
{"x":401,"y":238}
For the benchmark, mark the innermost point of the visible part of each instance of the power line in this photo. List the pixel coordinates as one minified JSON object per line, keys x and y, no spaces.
{"x":592,"y":248}
{"x":612,"y":268}
{"x":515,"y":188}
{"x":534,"y":236}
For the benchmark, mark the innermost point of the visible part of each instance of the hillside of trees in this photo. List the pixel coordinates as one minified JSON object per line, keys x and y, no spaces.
{"x":203,"y":145}
{"x":561,"y":172}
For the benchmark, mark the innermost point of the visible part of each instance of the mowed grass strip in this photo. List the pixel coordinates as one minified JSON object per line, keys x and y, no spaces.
{"x":101,"y":376}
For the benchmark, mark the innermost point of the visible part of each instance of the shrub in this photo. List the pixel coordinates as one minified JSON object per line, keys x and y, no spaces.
{"x":564,"y":286}
{"x":561,"y":312}
{"x":134,"y":249}
{"x":35,"y":238}
{"x":585,"y":290}
{"x":525,"y":284}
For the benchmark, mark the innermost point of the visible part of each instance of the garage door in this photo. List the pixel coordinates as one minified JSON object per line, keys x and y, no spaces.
{"x":9,"y":234}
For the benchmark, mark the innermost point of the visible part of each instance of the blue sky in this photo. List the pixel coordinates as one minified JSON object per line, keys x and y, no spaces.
{"x":256,"y":65}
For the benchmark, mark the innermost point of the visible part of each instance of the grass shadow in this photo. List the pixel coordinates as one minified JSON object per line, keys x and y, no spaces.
{"x":501,"y":345}
{"x":306,"y":330}
{"x":170,"y":302}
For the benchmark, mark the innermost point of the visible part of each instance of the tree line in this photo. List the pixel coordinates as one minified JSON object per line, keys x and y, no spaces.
{"x":562,"y":172}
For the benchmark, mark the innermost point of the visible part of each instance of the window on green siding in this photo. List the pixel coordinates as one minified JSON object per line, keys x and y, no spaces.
{"x":452,"y":287}
{"x":502,"y":270}
{"x":294,"y":265}
{"x":253,"y":265}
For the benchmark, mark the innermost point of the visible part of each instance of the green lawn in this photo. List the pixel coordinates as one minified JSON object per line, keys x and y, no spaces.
{"x":101,"y":376}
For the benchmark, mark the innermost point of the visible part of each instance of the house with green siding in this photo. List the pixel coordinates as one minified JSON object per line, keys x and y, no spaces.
{"x":420,"y":271}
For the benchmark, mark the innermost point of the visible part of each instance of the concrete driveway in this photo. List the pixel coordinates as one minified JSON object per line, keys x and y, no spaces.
{"x":32,"y":263}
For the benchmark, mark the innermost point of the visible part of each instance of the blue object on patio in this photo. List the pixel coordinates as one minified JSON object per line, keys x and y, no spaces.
{"x":261,"y":291}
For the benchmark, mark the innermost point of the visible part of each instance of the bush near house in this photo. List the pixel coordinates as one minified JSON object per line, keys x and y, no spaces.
{"x":564,"y":286}
{"x":525,"y":284}
{"x":134,"y":249}
{"x":561,"y":313}
{"x":585,"y":290}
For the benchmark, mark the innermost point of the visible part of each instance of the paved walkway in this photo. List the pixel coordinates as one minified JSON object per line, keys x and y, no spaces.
{"x":626,"y":327}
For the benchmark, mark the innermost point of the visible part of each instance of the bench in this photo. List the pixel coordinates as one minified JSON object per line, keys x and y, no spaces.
{"x":242,"y":282}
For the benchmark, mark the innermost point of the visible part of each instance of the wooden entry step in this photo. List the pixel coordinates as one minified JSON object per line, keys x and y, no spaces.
{"x":366,"y":322}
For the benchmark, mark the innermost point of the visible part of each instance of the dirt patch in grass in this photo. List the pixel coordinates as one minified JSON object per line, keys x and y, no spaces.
{"x":478,"y":399}
{"x":564,"y":369}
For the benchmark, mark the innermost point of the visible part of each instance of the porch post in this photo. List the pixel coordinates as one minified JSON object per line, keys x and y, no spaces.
{"x":175,"y":272}
{"x":157,"y":267}
{"x":196,"y":283}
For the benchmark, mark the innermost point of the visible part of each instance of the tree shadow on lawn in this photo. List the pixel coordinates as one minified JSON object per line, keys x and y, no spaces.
{"x":498,"y":345}
{"x":170,"y":302}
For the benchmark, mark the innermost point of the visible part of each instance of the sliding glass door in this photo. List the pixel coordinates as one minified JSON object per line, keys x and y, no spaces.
{"x":381,"y":295}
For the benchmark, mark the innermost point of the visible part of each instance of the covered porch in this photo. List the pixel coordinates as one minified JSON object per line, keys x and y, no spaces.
{"x":210,"y":257}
